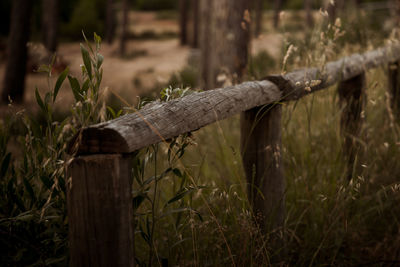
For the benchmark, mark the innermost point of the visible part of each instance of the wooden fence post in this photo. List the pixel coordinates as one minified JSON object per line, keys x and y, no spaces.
{"x":100,"y":212}
{"x":352,"y":99}
{"x":261,"y":146}
{"x":394,"y":87}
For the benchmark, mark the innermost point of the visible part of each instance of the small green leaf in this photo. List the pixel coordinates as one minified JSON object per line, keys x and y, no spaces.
{"x":36,"y":130}
{"x":87,"y":42}
{"x":100,"y":60}
{"x":25,"y":216}
{"x":143,"y":234}
{"x":44,"y":68}
{"x":137,"y":201}
{"x":61,"y":184}
{"x":180,"y":242}
{"x":85,"y":86}
{"x":46,"y":181}
{"x":59,"y":82}
{"x":75,"y":88}
{"x":177,"y":172}
{"x":179,"y":210}
{"x":112,"y":112}
{"x":86,"y":61}
{"x":97,"y":39}
{"x":180,"y":195}
{"x":10,"y":186}
{"x":47,"y":98}
{"x":149,"y":180}
{"x":39,"y":100}
{"x":53,"y":59}
{"x":29,"y":188}
{"x":148,"y":227}
{"x":4,"y":165}
{"x":84,"y":36}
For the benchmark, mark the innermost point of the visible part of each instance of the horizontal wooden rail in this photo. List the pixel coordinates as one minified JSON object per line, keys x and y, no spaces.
{"x":168,"y":119}
{"x":163,"y":120}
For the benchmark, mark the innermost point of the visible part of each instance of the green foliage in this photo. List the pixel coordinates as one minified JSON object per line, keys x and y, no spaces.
{"x":170,"y":93}
{"x":89,"y":108}
{"x":33,"y":218}
{"x":33,"y":222}
{"x":185,"y":78}
{"x":333,"y":221}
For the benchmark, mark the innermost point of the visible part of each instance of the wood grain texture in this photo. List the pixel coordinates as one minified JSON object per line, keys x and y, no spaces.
{"x":352,"y":99}
{"x":163,"y":120}
{"x":262,"y":162}
{"x":394,"y":87}
{"x":100,"y":213}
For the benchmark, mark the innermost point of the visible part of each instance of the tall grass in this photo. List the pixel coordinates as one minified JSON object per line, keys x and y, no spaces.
{"x":189,"y":193}
{"x":330,"y":221}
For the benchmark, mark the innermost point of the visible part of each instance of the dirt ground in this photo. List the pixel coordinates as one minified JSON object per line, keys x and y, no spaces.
{"x":150,"y":61}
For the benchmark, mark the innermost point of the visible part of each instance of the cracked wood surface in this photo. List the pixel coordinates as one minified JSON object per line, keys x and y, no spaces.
{"x":99,"y":205}
{"x":164,"y":120}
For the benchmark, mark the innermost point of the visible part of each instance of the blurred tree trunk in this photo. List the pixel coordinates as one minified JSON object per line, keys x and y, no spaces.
{"x":309,"y":15}
{"x":14,"y":79}
{"x":206,"y":10}
{"x":124,"y":27}
{"x":224,"y":41}
{"x":110,"y":22}
{"x":258,"y":6}
{"x":196,"y":23}
{"x":50,"y":24}
{"x":334,"y":8}
{"x":278,"y":7}
{"x":183,"y":20}
{"x":395,"y":11}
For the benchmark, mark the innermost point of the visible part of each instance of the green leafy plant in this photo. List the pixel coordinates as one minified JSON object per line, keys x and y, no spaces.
{"x":33,"y":218}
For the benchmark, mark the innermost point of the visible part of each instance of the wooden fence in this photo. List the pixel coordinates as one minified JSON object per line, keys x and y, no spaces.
{"x":101,"y":219}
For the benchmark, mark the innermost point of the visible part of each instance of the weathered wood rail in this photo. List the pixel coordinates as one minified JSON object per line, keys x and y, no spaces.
{"x":99,"y":177}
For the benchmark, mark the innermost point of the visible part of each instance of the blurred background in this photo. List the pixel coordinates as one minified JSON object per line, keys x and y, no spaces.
{"x":149,"y":44}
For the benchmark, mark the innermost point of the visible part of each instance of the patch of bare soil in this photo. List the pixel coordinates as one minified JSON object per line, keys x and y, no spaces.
{"x":156,"y":59}
{"x":148,"y":62}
